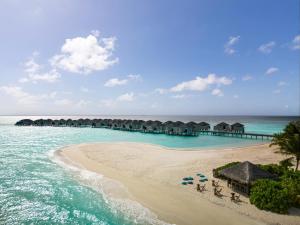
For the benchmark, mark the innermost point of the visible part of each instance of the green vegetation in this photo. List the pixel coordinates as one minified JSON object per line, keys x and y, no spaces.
{"x":289,"y":141}
{"x":270,"y":195}
{"x":274,"y":169}
{"x":277,"y":195}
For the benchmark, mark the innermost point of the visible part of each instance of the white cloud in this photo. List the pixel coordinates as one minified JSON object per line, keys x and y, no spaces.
{"x":108,"y":103}
{"x":23,"y":97}
{"x":236,"y":96}
{"x":179,"y":96}
{"x":160,"y":91}
{"x":228,"y":48}
{"x":134,"y":77}
{"x":217,"y":92}
{"x":84,"y":89}
{"x":247,"y":77}
{"x":115,"y":82}
{"x":296,"y":43}
{"x":272,"y":70}
{"x":277,"y":91}
{"x":63,"y":102}
{"x":86,"y":54}
{"x":201,"y":83}
{"x":82,"y":103}
{"x":267,"y":48}
{"x":281,"y":83}
{"x":127,"y":97}
{"x":34,"y":74}
{"x":118,"y":82}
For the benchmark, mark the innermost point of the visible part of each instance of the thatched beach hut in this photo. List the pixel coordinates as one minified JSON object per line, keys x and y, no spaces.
{"x":241,"y":176}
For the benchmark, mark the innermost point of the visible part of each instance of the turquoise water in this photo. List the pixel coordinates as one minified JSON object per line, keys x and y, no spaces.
{"x":35,"y":190}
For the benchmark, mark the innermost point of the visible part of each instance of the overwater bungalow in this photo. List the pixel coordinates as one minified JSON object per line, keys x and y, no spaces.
{"x":128,"y":125}
{"x":157,"y":127}
{"x":179,"y":128}
{"x":39,"y":122}
{"x":192,"y":129}
{"x":137,"y":125}
{"x":47,"y":122}
{"x":62,"y":123}
{"x":55,"y":123}
{"x":240,"y":177}
{"x":96,"y":123}
{"x":203,"y":126}
{"x":148,"y":126}
{"x":25,"y":122}
{"x":116,"y":124}
{"x":237,"y":128}
{"x":105,"y":123}
{"x":169,"y":127}
{"x":87,"y":122}
{"x":222,"y":127}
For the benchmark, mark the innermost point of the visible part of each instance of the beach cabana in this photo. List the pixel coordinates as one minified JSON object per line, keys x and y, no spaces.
{"x":240,"y":177}
{"x":222,"y":127}
{"x":237,"y":128}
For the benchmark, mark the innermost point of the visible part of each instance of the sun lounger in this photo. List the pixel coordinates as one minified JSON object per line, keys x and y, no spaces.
{"x":237,"y":198}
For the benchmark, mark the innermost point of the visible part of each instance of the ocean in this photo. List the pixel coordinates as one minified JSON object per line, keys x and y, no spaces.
{"x":37,"y":189}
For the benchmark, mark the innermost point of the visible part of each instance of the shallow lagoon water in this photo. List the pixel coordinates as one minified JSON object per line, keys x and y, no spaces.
{"x":34,"y":189}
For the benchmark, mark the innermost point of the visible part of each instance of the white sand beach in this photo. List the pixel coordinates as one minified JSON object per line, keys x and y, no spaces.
{"x":152,"y":175}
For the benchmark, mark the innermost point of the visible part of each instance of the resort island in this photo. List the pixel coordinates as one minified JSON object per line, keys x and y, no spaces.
{"x":149,"y":112}
{"x":244,"y":185}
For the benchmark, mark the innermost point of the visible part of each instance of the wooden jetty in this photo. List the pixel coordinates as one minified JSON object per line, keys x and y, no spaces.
{"x":239,"y":135}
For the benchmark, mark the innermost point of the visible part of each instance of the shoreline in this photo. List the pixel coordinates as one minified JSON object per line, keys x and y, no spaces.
{"x":152,"y":173}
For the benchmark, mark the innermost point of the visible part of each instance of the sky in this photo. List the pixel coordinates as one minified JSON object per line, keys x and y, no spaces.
{"x":149,"y":57}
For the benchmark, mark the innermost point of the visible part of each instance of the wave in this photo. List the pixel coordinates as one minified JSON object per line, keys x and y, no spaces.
{"x":114,"y":193}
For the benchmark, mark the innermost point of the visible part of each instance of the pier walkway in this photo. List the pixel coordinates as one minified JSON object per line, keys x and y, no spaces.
{"x":234,"y":134}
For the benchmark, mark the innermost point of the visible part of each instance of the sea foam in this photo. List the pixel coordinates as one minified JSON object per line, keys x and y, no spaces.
{"x":113,"y":192}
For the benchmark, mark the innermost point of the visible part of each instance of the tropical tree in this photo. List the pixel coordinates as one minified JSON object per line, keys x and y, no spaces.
{"x":289,"y":141}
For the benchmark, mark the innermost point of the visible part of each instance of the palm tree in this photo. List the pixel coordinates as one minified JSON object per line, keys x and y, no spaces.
{"x":289,"y":141}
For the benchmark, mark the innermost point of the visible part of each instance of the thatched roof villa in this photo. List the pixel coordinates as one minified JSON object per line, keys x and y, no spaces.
{"x":241,"y":176}
{"x":237,"y":128}
{"x":222,"y":127}
{"x":203,"y":126}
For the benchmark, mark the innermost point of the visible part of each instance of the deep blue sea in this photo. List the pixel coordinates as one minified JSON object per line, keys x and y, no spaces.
{"x":34,"y":189}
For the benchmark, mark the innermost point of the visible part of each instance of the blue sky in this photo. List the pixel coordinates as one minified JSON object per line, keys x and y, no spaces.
{"x":149,"y":57}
